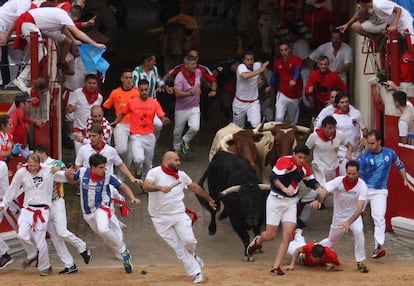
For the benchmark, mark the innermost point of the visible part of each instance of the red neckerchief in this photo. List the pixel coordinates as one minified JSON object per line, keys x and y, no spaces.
{"x":338,"y":111}
{"x":169,"y":171}
{"x":36,"y":100}
{"x":323,"y":136}
{"x":189,"y":77}
{"x":91,"y":97}
{"x":349,"y":185}
{"x":95,"y":178}
{"x":98,"y":148}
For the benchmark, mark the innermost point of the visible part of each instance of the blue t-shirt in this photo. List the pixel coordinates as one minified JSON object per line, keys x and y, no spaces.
{"x":374,"y":168}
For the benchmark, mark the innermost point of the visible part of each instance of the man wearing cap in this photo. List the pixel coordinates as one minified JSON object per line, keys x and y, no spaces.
{"x":21,"y":118}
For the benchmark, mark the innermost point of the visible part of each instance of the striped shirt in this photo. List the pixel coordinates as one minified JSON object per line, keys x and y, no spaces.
{"x":95,"y":194}
{"x":153,"y":78}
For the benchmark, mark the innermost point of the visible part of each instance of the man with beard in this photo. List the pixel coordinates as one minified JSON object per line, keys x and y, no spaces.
{"x":142,"y":110}
{"x":338,"y":53}
{"x":165,"y":185}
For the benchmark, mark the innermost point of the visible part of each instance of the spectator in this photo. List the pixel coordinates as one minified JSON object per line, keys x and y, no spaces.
{"x":55,"y":23}
{"x":320,"y":22}
{"x":21,"y":119}
{"x":397,"y":18}
{"x":406,"y":121}
{"x":338,"y":53}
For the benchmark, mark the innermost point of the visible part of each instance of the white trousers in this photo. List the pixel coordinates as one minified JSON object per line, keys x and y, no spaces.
{"x":27,"y":28}
{"x":241,"y":110}
{"x":177,"y":232}
{"x":57,"y":228}
{"x":182,"y":117}
{"x":287,"y":109}
{"x":143,"y":147}
{"x":378,"y":202}
{"x":108,"y":229}
{"x":298,"y":241}
{"x":34,"y":241}
{"x":336,"y":233}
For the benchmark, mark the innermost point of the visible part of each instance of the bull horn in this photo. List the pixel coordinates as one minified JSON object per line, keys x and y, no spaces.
{"x":264,"y":187}
{"x":302,"y":129}
{"x":223,"y":142}
{"x":229,"y":190}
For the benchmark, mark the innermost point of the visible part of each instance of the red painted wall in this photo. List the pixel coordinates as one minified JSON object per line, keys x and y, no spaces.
{"x":400,"y":198}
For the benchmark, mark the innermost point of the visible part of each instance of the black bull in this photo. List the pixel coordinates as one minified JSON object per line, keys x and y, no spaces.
{"x":245,"y":208}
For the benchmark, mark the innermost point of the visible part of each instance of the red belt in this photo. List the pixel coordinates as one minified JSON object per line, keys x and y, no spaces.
{"x":246,"y":101}
{"x":37,"y":214}
{"x":83,"y":131}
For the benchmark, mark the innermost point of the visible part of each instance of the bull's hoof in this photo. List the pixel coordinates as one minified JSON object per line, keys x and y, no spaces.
{"x":248,"y":258}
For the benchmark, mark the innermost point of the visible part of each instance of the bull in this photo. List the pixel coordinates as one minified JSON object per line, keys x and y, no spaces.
{"x":233,"y":181}
{"x":261,"y":146}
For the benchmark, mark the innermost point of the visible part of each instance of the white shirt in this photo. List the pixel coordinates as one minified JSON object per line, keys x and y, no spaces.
{"x":325,"y":153}
{"x":51,"y":19}
{"x":160,"y":203}
{"x":112,"y":157}
{"x":83,"y":108}
{"x":345,"y":203}
{"x":37,"y":188}
{"x":384,"y":10}
{"x":301,"y":49}
{"x":246,"y":89}
{"x":10,"y":11}
{"x":351,"y":125}
{"x":328,"y":110}
{"x":343,"y":57}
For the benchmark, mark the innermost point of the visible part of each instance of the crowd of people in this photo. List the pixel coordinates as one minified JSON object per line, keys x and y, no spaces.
{"x":248,"y":91}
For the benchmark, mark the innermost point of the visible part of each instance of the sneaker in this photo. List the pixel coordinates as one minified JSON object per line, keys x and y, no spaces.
{"x":87,"y":256}
{"x":5,"y":260}
{"x":28,"y":261}
{"x":362,"y":267}
{"x":277,"y":271}
{"x":378,"y":252}
{"x":126,"y":256}
{"x":46,"y":272}
{"x":69,"y":270}
{"x":186,"y":148}
{"x":199,"y":261}
{"x":253,"y":246}
{"x":198,"y":278}
{"x":21,"y":84}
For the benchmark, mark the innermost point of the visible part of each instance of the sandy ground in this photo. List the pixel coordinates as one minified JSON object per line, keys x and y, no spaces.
{"x":231,"y":273}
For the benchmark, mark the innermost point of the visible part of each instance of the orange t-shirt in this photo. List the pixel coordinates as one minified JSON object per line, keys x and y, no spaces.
{"x":142,"y":115}
{"x":119,"y":99}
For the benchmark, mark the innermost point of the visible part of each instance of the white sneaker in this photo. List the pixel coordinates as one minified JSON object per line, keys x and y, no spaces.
{"x":199,"y":261}
{"x":21,"y":84}
{"x":198,"y":278}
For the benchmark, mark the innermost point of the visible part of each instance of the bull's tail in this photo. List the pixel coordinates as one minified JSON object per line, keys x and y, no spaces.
{"x":203,"y":178}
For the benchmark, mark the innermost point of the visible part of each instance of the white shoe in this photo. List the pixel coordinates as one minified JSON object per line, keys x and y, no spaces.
{"x":21,"y":84}
{"x":199,"y":261}
{"x":198,"y":278}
